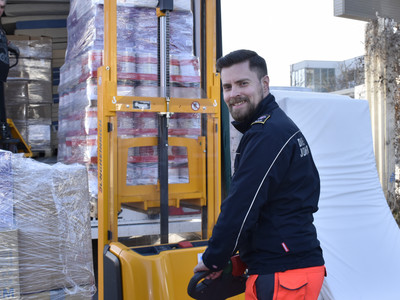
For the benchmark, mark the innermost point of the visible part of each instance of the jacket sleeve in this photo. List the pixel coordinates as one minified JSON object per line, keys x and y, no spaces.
{"x":263,"y":163}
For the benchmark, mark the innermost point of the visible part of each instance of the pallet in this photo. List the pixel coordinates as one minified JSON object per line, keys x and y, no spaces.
{"x":42,"y":153}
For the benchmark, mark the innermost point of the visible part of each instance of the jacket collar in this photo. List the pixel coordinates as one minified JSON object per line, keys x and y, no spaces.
{"x":265,"y":106}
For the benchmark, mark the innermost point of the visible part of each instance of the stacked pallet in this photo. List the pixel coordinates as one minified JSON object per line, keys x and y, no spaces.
{"x":45,"y":235}
{"x":32,"y":20}
{"x":137,"y":75}
{"x":28,"y":92}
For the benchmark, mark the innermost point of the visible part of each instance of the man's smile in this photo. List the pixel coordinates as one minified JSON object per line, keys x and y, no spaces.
{"x":238,"y":103}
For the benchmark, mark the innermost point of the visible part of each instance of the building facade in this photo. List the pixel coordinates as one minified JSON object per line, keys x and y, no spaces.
{"x":327,"y":76}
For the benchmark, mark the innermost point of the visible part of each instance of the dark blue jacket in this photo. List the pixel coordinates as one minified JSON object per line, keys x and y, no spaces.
{"x":268,"y":214}
{"x":4,"y":60}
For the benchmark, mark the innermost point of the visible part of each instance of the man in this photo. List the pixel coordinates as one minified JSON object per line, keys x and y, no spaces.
{"x":268,"y":213}
{"x":4,"y":60}
{"x":5,"y":46}
{"x":2,"y":7}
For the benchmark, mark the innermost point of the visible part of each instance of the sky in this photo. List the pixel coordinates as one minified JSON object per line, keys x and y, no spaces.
{"x":285,"y":32}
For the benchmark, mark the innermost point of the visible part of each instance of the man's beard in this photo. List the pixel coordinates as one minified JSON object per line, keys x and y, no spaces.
{"x":240,"y":115}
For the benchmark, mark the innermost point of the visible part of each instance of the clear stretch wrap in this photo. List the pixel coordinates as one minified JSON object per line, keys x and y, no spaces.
{"x":28,"y":91}
{"x":137,"y":76}
{"x":32,"y":47}
{"x":45,"y":233}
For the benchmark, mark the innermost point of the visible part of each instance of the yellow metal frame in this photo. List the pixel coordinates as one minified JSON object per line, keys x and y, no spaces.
{"x":162,"y":276}
{"x":159,"y":276}
{"x":203,"y":153}
{"x":17,"y":135}
{"x":147,"y":196}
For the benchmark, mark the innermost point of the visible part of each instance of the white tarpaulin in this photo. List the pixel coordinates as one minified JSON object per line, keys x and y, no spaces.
{"x":358,"y":234}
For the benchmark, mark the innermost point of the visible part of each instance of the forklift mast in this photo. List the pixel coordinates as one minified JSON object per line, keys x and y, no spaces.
{"x":128,"y":273}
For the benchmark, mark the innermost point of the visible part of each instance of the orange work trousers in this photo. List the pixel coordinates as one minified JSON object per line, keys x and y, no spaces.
{"x":304,"y":284}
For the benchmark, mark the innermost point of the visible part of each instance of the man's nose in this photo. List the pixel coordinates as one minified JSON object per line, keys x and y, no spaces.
{"x":234,"y":92}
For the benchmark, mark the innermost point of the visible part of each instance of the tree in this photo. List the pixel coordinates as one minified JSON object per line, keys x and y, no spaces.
{"x":351,"y":73}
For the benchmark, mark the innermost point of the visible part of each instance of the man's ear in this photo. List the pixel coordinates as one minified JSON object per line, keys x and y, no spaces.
{"x":265,"y":85}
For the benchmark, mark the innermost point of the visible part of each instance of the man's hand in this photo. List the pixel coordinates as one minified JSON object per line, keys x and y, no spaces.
{"x":13,"y":48}
{"x":201,"y":267}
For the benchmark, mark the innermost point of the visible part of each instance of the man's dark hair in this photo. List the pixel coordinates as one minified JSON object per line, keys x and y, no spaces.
{"x":256,"y":62}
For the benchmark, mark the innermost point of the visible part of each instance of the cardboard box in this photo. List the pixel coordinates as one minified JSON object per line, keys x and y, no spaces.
{"x":6,"y":191}
{"x":56,"y":295}
{"x":47,"y":253}
{"x":39,"y":114}
{"x":39,"y":136}
{"x":31,"y":46}
{"x":23,"y":91}
{"x":52,"y":209}
{"x":36,"y":216}
{"x":59,"y":53}
{"x":16,"y":91}
{"x":32,"y":69}
{"x":47,"y":32}
{"x":9,"y":266}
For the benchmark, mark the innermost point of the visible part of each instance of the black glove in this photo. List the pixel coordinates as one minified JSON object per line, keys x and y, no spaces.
{"x":13,"y":48}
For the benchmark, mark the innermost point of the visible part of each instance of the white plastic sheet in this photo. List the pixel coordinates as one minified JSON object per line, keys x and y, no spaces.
{"x":358,"y":234}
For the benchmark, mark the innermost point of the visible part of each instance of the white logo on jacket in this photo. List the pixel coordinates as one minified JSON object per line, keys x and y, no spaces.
{"x":304,"y":151}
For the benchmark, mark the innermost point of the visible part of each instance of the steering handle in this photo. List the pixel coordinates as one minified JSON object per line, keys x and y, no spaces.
{"x":15,"y":52}
{"x":194,"y":289}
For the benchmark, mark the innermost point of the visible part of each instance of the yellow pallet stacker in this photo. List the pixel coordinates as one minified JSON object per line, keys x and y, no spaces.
{"x":163,"y":271}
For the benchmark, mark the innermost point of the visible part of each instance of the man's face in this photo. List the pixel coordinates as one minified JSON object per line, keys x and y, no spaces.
{"x":2,"y":6}
{"x":243,"y":90}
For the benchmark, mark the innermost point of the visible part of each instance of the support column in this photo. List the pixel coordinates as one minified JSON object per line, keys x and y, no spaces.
{"x":382,"y":69}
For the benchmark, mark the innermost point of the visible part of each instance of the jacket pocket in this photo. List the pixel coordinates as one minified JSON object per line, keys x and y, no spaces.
{"x":291,"y":286}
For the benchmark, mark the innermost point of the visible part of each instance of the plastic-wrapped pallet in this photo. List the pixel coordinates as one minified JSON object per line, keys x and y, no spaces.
{"x":137,"y":76}
{"x":49,"y":245}
{"x":28,"y":91}
{"x":9,"y":272}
